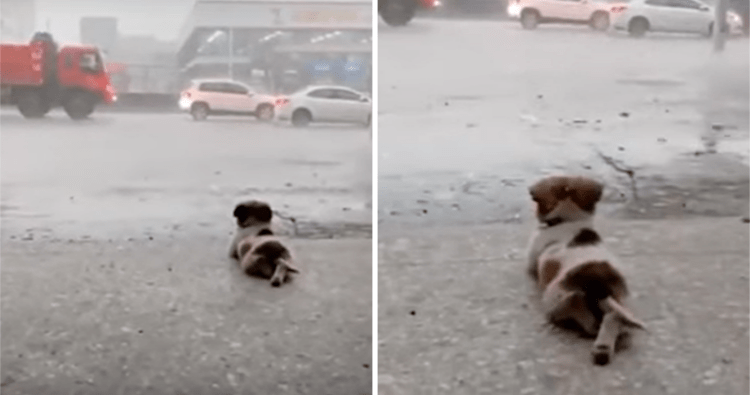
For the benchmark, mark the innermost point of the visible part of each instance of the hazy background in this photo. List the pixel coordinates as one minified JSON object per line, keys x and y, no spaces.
{"x":162,"y":18}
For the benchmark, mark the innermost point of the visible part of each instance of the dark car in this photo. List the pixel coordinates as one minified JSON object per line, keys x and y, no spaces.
{"x":400,"y":12}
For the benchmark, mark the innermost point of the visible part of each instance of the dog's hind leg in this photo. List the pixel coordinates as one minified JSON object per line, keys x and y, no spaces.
{"x":284,"y":267}
{"x":279,"y":274}
{"x":257,"y":265}
{"x":572,"y":306}
{"x":604,"y":345}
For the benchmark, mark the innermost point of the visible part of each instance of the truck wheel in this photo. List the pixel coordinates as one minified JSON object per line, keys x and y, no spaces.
{"x":397,"y":12}
{"x":32,"y":105}
{"x":79,"y":106}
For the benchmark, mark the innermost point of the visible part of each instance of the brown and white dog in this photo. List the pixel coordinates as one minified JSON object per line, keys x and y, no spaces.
{"x":578,"y":277}
{"x":258,"y":250}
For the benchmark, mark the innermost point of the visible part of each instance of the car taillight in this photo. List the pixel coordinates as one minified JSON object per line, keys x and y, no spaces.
{"x":186,"y":95}
{"x":619,"y":9}
{"x":282,"y":101}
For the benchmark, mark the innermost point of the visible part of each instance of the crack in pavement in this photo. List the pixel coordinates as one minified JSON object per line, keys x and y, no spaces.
{"x":611,"y":162}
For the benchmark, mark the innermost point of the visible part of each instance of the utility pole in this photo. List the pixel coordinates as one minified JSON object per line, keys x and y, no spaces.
{"x":720,"y":20}
{"x":231,"y":53}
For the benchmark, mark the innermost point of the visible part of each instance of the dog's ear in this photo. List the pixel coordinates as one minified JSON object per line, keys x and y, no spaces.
{"x":548,"y":192}
{"x":260,"y":211}
{"x":550,"y":188}
{"x":241,"y":212}
{"x":539,"y":190}
{"x":585,"y":192}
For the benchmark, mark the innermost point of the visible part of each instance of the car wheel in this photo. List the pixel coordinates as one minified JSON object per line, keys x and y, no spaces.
{"x":199,"y":111}
{"x":397,"y":12}
{"x":638,"y":27}
{"x":710,"y":31}
{"x":265,"y":112}
{"x":529,"y":19}
{"x":599,"y":21}
{"x":79,"y":105}
{"x":301,"y":118}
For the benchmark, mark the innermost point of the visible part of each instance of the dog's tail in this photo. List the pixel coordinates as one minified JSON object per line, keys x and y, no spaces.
{"x":603,"y":287}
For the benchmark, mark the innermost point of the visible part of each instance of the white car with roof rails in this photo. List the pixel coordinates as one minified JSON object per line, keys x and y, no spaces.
{"x":638,"y":17}
{"x":532,"y":13}
{"x":327,"y":104}
{"x":207,"y":97}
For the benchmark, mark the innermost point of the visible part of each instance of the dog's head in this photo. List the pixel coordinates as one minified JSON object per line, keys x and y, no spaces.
{"x":564,"y":198}
{"x":253,"y":212}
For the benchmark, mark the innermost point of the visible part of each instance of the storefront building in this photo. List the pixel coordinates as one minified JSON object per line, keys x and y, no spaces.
{"x":279,"y":46}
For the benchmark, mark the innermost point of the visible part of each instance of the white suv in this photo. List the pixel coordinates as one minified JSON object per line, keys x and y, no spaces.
{"x":594,"y":13}
{"x":225,"y":97}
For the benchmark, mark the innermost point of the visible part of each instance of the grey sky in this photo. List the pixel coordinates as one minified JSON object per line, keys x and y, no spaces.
{"x":161,"y":18}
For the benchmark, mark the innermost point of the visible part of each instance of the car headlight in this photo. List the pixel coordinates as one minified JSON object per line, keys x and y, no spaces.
{"x":733,"y":18}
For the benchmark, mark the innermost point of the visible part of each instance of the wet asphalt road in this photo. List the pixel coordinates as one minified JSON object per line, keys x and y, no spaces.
{"x":115,"y":275}
{"x":152,"y":173}
{"x":483,"y":109}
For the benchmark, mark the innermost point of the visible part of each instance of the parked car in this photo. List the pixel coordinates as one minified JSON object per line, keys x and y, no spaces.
{"x":670,"y":16}
{"x":335,"y":104}
{"x":207,"y":97}
{"x":742,"y":9}
{"x":531,"y":13}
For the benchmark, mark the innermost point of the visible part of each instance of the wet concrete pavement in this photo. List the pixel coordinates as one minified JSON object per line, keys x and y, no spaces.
{"x":484,"y":108}
{"x":115,"y":276}
{"x":472,"y":113}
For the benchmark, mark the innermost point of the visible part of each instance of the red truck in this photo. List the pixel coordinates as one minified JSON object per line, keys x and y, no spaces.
{"x":38,"y":77}
{"x":400,"y":12}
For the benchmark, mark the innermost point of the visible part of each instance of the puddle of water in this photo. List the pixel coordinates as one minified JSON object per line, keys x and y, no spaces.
{"x":651,"y":82}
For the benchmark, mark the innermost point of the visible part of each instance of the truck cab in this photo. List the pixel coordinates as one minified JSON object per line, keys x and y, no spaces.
{"x":81,"y":68}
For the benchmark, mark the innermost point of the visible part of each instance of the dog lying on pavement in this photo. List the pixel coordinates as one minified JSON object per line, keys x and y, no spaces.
{"x":578,"y":277}
{"x":258,"y":250}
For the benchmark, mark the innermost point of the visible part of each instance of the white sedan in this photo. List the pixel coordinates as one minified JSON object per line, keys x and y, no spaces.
{"x":670,"y":16}
{"x":334,"y":104}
